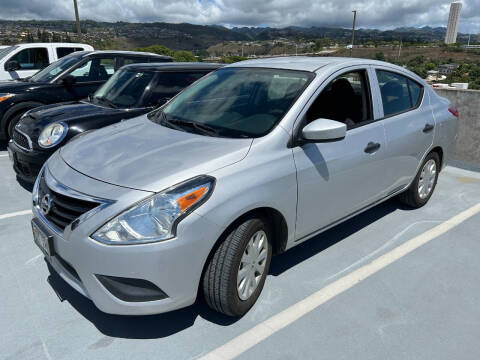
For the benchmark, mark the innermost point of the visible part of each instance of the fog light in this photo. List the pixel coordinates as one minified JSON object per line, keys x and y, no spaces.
{"x":130,"y":289}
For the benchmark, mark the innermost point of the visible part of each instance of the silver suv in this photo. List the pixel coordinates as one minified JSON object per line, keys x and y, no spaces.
{"x":247,"y":162}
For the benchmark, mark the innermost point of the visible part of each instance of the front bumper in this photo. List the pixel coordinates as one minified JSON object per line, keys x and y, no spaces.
{"x":27,"y":164}
{"x":174,"y":266}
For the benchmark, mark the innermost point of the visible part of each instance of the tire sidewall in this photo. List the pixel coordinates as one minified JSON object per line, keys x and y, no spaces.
{"x":11,"y":124}
{"x":238,"y":306}
{"x":431,"y":156}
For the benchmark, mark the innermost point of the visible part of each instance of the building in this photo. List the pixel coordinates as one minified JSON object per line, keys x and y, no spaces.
{"x":453,"y":19}
{"x":447,"y":69}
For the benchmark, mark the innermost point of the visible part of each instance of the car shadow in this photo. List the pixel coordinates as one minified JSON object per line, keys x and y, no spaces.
{"x":163,"y":325}
{"x":317,"y":244}
{"x":26,"y":185}
{"x":135,"y":327}
{"x":3,"y":145}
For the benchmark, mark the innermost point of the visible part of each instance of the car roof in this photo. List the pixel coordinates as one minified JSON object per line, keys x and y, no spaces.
{"x":172,"y":66}
{"x":119,"y":52}
{"x":52,"y":43}
{"x":308,"y":63}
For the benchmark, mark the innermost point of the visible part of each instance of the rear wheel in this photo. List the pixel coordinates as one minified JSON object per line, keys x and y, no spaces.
{"x":236,"y":273}
{"x":424,"y":183}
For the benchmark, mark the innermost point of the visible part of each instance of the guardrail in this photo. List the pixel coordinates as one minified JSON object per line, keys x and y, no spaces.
{"x":467,"y":146}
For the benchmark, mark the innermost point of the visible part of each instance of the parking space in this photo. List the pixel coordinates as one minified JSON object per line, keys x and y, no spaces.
{"x":423,"y":305}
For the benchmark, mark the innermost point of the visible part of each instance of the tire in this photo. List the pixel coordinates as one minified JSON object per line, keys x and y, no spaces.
{"x":12,"y":122}
{"x":414,"y":196}
{"x":220,"y":277}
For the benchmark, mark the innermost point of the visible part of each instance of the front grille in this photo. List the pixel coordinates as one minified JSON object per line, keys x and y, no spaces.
{"x":63,"y":209}
{"x":21,"y":140}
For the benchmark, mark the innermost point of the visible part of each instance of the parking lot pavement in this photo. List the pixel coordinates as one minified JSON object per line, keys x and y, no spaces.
{"x":425,"y":305}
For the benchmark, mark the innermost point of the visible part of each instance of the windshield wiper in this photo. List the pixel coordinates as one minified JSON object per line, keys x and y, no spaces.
{"x":202,"y":128}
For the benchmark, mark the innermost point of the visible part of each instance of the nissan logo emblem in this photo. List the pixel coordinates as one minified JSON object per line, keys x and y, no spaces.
{"x":46,"y":204}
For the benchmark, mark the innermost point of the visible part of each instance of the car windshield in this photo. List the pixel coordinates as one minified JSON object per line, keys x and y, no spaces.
{"x":124,"y":89}
{"x":235,"y":102}
{"x":5,"y":51}
{"x":55,"y":68}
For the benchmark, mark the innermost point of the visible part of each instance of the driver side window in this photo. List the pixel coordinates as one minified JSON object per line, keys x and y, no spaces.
{"x":94,"y":70}
{"x":31,"y":59}
{"x":345,"y":99}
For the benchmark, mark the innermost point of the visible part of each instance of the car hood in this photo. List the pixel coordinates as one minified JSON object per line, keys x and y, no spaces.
{"x":14,"y":86}
{"x":70,"y":112}
{"x":143,"y":155}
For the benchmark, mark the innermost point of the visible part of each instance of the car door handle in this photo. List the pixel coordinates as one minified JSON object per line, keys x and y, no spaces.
{"x":428,"y":128}
{"x":372,"y":147}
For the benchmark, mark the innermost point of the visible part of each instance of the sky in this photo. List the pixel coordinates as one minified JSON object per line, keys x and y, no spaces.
{"x":382,"y":14}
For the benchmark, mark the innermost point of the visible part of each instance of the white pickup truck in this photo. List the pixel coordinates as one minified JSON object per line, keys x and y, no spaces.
{"x":24,"y":60}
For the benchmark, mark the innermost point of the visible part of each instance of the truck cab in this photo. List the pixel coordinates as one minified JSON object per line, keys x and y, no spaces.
{"x":23,"y":60}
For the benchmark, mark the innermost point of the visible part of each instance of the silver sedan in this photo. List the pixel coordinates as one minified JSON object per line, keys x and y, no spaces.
{"x":249,"y":161}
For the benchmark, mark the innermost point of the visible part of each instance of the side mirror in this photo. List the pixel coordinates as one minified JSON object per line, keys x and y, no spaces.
{"x":12,"y":65}
{"x":69,"y":80}
{"x":324,"y":130}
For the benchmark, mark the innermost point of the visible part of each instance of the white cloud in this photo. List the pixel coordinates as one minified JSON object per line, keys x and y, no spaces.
{"x":277,"y":13}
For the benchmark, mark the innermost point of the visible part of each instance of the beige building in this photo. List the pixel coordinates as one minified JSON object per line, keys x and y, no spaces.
{"x":453,"y":20}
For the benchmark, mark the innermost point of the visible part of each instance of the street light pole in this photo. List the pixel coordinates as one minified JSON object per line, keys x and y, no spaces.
{"x":77,"y":19}
{"x":353,"y":30}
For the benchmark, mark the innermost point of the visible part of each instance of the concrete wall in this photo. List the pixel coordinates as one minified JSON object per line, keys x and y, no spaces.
{"x":467,"y":146}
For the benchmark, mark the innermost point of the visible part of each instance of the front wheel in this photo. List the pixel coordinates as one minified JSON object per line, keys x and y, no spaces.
{"x":424,"y":183}
{"x":11,"y":125}
{"x":236,"y":273}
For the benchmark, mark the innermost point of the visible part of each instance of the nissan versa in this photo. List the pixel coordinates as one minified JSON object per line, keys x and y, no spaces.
{"x":247,"y":162}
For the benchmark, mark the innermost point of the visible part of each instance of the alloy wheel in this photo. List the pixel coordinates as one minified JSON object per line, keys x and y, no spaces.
{"x":427,"y":179}
{"x":252,"y":265}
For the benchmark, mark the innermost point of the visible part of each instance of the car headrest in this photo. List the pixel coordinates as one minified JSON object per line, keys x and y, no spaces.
{"x":342,"y":87}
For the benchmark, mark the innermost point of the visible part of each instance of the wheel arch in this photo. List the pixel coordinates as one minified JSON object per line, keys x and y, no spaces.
{"x":14,"y":110}
{"x":278,"y":225}
{"x":439,"y":151}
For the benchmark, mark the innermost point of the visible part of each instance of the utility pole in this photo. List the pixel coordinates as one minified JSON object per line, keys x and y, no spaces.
{"x":400,"y":49}
{"x":353,"y":30}
{"x":77,"y":19}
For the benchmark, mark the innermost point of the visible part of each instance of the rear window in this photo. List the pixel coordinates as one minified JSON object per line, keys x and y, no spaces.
{"x":399,"y":93}
{"x":64,"y":51}
{"x":169,"y":84}
{"x":144,"y":59}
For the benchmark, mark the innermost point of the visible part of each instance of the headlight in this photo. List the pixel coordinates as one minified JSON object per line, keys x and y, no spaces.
{"x":52,"y":135}
{"x":156,"y":218}
{"x":4,"y":97}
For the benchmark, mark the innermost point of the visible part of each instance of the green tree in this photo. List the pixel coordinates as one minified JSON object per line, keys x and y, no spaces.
{"x":184,"y":56}
{"x":380,"y":56}
{"x":156,"y":49}
{"x":30,"y":38}
{"x":232,"y":59}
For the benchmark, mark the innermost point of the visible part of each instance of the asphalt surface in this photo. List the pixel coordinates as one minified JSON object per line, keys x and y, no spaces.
{"x":422,"y":306}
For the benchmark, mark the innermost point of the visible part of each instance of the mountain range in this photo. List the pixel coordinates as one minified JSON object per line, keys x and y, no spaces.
{"x":189,"y":36}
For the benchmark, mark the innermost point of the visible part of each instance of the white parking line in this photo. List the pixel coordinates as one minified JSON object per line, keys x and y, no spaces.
{"x":13,"y":214}
{"x":267,"y":328}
